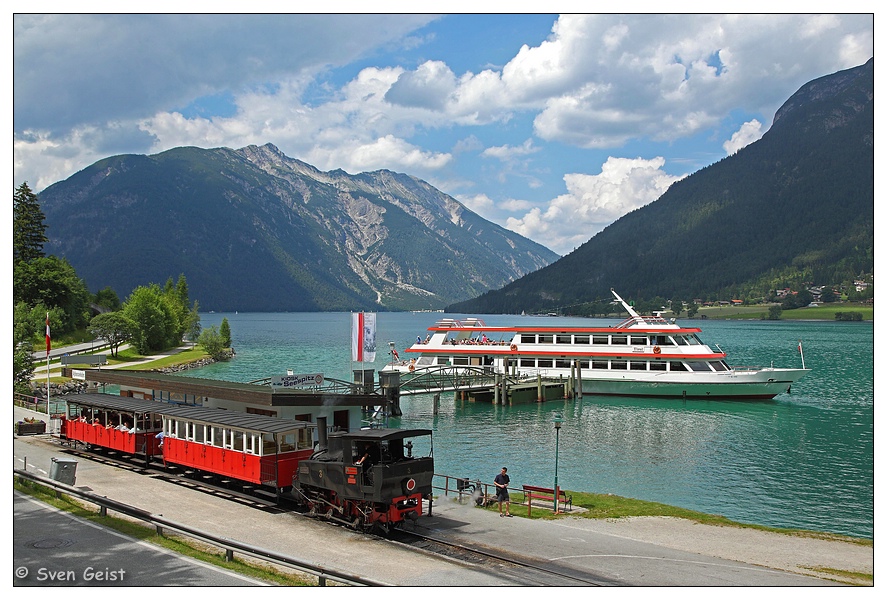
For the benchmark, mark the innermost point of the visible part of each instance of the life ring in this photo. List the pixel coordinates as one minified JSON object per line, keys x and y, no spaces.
{"x":412,"y":367}
{"x":656,"y":349}
{"x":514,"y":347}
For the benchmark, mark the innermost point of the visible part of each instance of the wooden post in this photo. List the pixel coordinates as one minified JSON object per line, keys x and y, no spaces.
{"x":539,"y":396}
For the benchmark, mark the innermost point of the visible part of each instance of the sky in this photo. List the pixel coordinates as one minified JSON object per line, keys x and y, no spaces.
{"x":552,"y":126}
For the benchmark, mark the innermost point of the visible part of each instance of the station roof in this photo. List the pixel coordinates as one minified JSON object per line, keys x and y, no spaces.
{"x":229,"y":390}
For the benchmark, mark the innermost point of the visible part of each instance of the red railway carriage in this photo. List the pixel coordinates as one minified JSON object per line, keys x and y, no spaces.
{"x":125,"y":424}
{"x":253,"y":448}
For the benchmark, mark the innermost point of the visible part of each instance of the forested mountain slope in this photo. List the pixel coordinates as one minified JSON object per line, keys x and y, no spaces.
{"x":795,"y":206}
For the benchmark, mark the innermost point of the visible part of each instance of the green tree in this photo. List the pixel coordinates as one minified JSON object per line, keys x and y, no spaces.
{"x":211,"y":342}
{"x":775,"y":313}
{"x":107,"y":298}
{"x":114,"y":327}
{"x":677,"y":307}
{"x":157,"y":324}
{"x":28,"y":226}
{"x":52,"y":282}
{"x":192,"y":327}
{"x":22,"y":349}
{"x":225,"y":332}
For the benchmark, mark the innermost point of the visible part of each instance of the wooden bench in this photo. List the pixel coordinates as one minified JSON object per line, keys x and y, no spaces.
{"x":533,"y":492}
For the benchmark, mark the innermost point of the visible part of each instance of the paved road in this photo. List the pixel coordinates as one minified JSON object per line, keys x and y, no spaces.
{"x":53,"y":548}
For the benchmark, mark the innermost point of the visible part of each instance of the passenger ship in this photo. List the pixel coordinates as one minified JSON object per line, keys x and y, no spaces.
{"x":641,"y":356}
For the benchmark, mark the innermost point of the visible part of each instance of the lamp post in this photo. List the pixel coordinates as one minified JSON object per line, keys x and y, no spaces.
{"x":557,"y":441}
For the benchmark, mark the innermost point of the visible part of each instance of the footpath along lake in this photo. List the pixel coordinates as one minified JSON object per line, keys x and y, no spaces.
{"x":803,"y":460}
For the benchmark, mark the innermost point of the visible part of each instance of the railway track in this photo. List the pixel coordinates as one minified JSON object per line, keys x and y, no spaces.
{"x":523,"y":570}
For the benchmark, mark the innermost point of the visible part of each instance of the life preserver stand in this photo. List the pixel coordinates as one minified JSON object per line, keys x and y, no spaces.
{"x":657,"y":350}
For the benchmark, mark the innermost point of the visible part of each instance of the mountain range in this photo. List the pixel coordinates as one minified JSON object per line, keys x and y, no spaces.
{"x":254,"y":230}
{"x":794,"y":208}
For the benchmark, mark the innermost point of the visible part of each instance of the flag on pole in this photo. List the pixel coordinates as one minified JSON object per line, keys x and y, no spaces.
{"x":363,"y":337}
{"x":48,"y":337}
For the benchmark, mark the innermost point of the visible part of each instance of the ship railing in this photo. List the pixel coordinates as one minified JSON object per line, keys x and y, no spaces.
{"x":632,"y":321}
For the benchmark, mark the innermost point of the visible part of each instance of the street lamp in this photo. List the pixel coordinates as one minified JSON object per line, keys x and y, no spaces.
{"x":557,"y":442}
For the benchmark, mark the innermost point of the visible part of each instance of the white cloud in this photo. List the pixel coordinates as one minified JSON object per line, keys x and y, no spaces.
{"x":507,"y":152}
{"x":748,"y":133}
{"x":594,"y":201}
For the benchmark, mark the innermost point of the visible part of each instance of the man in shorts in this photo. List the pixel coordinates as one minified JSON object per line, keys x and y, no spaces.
{"x":501,"y":481}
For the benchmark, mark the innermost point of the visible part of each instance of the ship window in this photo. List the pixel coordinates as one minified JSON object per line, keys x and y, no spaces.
{"x":599,"y":364}
{"x":564,"y":339}
{"x":600,"y":339}
{"x":657,"y":366}
{"x":562,"y":363}
{"x":692,"y":340}
{"x":681,"y":340}
{"x":676,"y":366}
{"x":662,"y":340}
{"x":460,"y":360}
{"x":441,"y":360}
{"x":545,"y":363}
{"x":618,"y":364}
{"x":719,"y":366}
{"x":426,"y":361}
{"x":580,"y":339}
{"x":583,"y":364}
{"x":546,"y":338}
{"x":527,"y":362}
{"x":528,"y":338}
{"x":620,"y":340}
{"x":637,"y":365}
{"x":638,"y":340}
{"x":698,"y":365}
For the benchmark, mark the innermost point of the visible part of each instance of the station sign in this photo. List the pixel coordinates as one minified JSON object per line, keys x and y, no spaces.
{"x":280,"y":383}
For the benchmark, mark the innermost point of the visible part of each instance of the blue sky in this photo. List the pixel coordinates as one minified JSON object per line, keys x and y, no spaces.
{"x":552,"y":126}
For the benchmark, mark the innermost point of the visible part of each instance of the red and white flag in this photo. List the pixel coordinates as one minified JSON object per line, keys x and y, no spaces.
{"x":363,"y":337}
{"x":48,"y":337}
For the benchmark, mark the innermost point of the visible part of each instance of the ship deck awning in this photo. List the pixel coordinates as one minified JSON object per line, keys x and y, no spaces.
{"x":250,"y":393}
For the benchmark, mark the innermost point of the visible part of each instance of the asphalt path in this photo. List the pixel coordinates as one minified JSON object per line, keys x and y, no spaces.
{"x":52,"y":548}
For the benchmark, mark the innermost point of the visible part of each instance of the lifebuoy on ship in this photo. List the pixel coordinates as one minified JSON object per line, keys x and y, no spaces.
{"x":412,"y":365}
{"x":656,"y":349}
{"x":514,"y":347}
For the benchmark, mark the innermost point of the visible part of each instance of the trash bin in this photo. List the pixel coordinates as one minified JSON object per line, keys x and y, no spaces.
{"x":63,"y":470}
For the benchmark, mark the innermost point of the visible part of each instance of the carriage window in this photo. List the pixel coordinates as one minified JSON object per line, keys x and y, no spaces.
{"x":599,"y":364}
{"x":620,"y":340}
{"x":637,"y":365}
{"x":580,"y":339}
{"x":618,"y":364}
{"x":546,"y":338}
{"x":638,"y":340}
{"x":657,"y":366}
{"x":269,"y":446}
{"x":563,"y":339}
{"x":288,"y":442}
{"x":600,"y":339}
{"x":545,"y":363}
{"x":238,"y":440}
{"x":528,"y":338}
{"x":306,"y":439}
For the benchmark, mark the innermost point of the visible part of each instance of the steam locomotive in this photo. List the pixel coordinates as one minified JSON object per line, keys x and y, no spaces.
{"x":372,"y":479}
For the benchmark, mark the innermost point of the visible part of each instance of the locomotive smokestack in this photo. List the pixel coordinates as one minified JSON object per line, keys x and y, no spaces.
{"x":321,"y":433}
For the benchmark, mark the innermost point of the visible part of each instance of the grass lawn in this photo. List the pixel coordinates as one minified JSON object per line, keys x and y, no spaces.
{"x":824,"y":312}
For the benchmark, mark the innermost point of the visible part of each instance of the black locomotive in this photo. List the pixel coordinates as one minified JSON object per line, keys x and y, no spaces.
{"x":367,"y":479}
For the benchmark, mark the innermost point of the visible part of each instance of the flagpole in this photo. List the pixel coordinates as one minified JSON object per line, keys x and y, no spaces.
{"x":47,"y":362}
{"x":801,"y":350}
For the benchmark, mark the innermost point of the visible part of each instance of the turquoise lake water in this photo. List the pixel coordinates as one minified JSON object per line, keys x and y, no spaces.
{"x":803,"y":460}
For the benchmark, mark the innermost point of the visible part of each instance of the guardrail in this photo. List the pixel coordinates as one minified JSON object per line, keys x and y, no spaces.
{"x":230,"y":546}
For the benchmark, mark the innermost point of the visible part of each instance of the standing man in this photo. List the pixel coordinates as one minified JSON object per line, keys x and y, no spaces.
{"x":501,"y":481}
